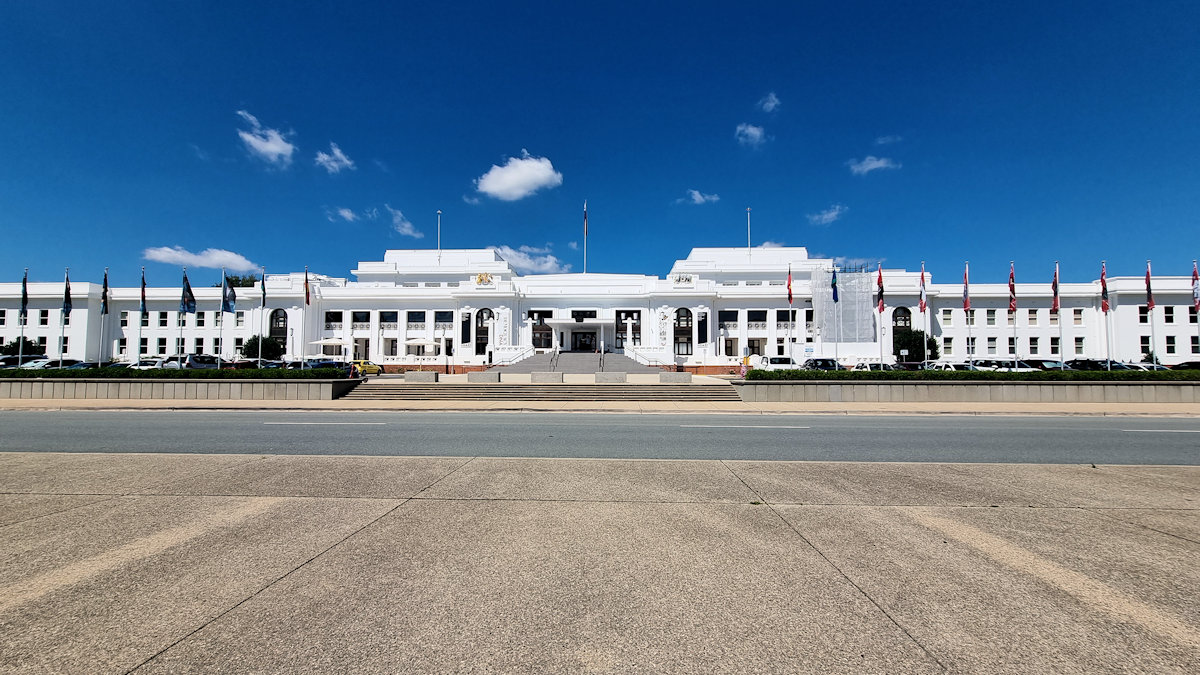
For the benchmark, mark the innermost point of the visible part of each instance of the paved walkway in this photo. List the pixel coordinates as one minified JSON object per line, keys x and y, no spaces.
{"x":698,"y":407}
{"x":240,"y":563}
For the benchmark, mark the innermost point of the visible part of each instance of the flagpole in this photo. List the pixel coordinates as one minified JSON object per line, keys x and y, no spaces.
{"x":262,"y":314}
{"x":62,"y":324}
{"x":585,"y":236}
{"x":967,"y":313}
{"x":925,"y":311}
{"x":103,"y":302}
{"x":142,"y":315}
{"x":23,"y":318}
{"x":1012,"y":301}
{"x":748,"y":233}
{"x":1150,"y":312}
{"x":1196,"y":301}
{"x":1062,"y":362}
{"x":880,"y":308}
{"x":439,"y":215}
{"x":183,"y":315}
{"x":304,"y":317}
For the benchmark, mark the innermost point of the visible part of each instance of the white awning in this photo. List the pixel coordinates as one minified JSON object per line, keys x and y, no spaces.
{"x":331,"y":342}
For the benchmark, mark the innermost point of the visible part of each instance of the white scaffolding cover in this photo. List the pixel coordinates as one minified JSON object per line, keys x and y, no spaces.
{"x":852,"y":318}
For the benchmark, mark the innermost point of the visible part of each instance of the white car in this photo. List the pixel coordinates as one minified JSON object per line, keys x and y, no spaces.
{"x":777,"y":363}
{"x":873,"y":366}
{"x":148,"y":364}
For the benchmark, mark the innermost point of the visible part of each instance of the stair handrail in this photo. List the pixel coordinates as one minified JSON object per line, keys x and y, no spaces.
{"x":633,"y":353}
{"x":554,"y":359}
{"x":515,"y":356}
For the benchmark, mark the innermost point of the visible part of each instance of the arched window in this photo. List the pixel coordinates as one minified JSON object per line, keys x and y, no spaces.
{"x":481,"y":329}
{"x":279,"y":325}
{"x":683,"y":332}
{"x":902,"y":318}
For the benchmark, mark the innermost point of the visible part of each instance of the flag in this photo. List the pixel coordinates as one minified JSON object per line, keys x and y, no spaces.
{"x":789,"y":285}
{"x":25,"y":294}
{"x":1195,"y":288}
{"x":187,"y":301}
{"x":1149,"y":292}
{"x":67,"y":294}
{"x":104,"y":294}
{"x":923,"y":304}
{"x":1054,"y":304}
{"x":307,"y":295}
{"x":264,"y":289}
{"x":966,"y":287}
{"x":833,"y":284}
{"x":585,"y":218}
{"x":1012,"y":288}
{"x":879,"y":296}
{"x":1104,"y":307}
{"x":228,"y":296}
{"x":142,"y":307}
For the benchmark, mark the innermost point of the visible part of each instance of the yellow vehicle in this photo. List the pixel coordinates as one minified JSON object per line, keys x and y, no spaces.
{"x":368,"y":368}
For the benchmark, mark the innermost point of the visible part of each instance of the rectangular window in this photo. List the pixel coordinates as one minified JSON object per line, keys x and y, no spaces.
{"x":1078,"y":346}
{"x":780,"y":348}
{"x":447,"y":316}
{"x":66,"y":319}
{"x":1053,"y":318}
{"x":124,"y":319}
{"x":162,"y":319}
{"x":991,"y":342}
{"x":179,"y":345}
{"x":947,"y":317}
{"x":198,"y":346}
{"x":1012,"y":345}
{"x":145,"y":319}
{"x":237,"y":344}
{"x":41,"y":343}
{"x":411,"y":317}
{"x":1168,"y":314}
{"x":143,"y":346}
{"x":44,"y":317}
{"x":1077,"y":315}
{"x":216,"y":345}
{"x":1143,"y":314}
{"x":756,"y":316}
{"x":991,"y":317}
{"x":683,"y":345}
{"x":1191,"y":315}
{"x":1033,"y":346}
{"x":200,"y":319}
{"x":1055,"y":348}
{"x":971,"y":317}
{"x":180,"y":319}
{"x":1195,"y":344}
{"x":239,"y":319}
{"x":971,"y":346}
{"x":947,"y":346}
{"x":393,"y":318}
{"x":3,"y":317}
{"x":361,"y":317}
{"x":727,"y":318}
{"x":1032,"y":316}
{"x":730,"y":347}
{"x":1170,"y":344}
{"x":162,"y":345}
{"x":1012,"y":318}
{"x":122,"y":346}
{"x":62,"y":344}
{"x":702,"y":328}
{"x":1145,"y":341}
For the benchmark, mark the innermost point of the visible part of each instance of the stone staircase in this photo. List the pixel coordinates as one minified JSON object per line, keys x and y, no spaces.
{"x":577,"y":363}
{"x":390,"y":390}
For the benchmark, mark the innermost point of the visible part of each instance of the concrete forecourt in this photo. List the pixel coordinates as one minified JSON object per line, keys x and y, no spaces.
{"x":220,"y":561}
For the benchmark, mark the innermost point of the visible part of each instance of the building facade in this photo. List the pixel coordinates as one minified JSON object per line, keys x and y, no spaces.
{"x":456,"y":310}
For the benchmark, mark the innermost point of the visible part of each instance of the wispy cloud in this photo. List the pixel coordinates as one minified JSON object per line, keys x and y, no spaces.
{"x":470,"y":199}
{"x":750,"y":135}
{"x":769,"y":103}
{"x":532,"y":259}
{"x":573,"y":245}
{"x":371,"y":213}
{"x":335,"y":160}
{"x":269,"y":145}
{"x":698,"y":197}
{"x":518,"y":178}
{"x":401,"y":224}
{"x":888,"y":140}
{"x":210,"y":257}
{"x":871,"y":163}
{"x":827,"y":216}
{"x":770,"y":244}
{"x":199,"y":152}
{"x":347,"y":215}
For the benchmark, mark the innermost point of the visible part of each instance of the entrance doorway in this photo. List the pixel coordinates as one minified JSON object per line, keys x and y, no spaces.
{"x":583,"y":342}
{"x":362,"y":349}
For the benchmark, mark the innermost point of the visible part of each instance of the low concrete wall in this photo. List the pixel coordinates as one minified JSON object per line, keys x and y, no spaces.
{"x":675,"y":378}
{"x":545,"y":378}
{"x":484,"y":376}
{"x":610,"y":378}
{"x":420,"y":376}
{"x":228,"y":390}
{"x":825,"y":391}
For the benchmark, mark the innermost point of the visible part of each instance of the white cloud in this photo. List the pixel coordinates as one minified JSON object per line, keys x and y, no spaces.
{"x":770,"y":244}
{"x":750,"y":135}
{"x":871,"y":163}
{"x":401,"y":224}
{"x":470,"y":200}
{"x":347,"y":215}
{"x":518,"y":178}
{"x":371,"y":213}
{"x":209,"y":257}
{"x":698,"y":197}
{"x":828,"y":215}
{"x":888,"y":140}
{"x":335,"y":160}
{"x":531,"y":259}
{"x":269,"y":145}
{"x":573,"y":245}
{"x":769,"y":103}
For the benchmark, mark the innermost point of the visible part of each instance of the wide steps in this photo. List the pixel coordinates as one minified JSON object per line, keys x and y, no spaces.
{"x":542,"y":392}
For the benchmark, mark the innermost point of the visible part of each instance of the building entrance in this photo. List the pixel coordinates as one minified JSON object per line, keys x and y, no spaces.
{"x":583,"y":342}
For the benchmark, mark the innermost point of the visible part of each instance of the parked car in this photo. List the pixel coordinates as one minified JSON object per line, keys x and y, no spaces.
{"x":1147,"y":366}
{"x":1187,"y":365}
{"x":84,"y":365}
{"x":873,"y":366}
{"x":1096,"y":364}
{"x":822,"y":364}
{"x":777,"y":363}
{"x":147,"y":364}
{"x":47,"y":364}
{"x":949,"y":366}
{"x":14,"y":360}
{"x":1017,"y":367}
{"x":190,"y":361}
{"x":1047,"y":364}
{"x":369,"y":368}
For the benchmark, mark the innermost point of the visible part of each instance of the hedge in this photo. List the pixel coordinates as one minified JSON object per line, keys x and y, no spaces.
{"x":981,"y":375}
{"x":175,"y":374}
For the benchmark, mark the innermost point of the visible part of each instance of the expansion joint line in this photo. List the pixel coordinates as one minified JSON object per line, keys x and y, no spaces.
{"x":839,"y":570}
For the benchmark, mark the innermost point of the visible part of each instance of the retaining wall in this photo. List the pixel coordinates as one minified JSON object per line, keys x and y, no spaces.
{"x":818,"y":391}
{"x":230,"y":390}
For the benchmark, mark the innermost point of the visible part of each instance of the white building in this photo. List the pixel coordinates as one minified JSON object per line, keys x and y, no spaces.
{"x":465,"y":309}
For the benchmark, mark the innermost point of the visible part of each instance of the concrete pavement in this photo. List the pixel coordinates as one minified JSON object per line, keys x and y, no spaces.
{"x":205,"y":563}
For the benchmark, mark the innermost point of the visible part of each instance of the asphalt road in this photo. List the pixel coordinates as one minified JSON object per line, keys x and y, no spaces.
{"x":943,"y":438}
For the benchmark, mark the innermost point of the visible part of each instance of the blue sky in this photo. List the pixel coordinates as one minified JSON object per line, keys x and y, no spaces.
{"x":297,"y":133}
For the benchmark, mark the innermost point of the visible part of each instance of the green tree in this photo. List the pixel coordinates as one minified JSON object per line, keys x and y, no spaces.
{"x":13,"y":348}
{"x":906,"y":338}
{"x":239,"y":282}
{"x":1150,"y":357}
{"x":271,"y":348}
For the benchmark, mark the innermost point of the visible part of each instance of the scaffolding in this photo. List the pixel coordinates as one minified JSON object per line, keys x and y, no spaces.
{"x":852,"y":318}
